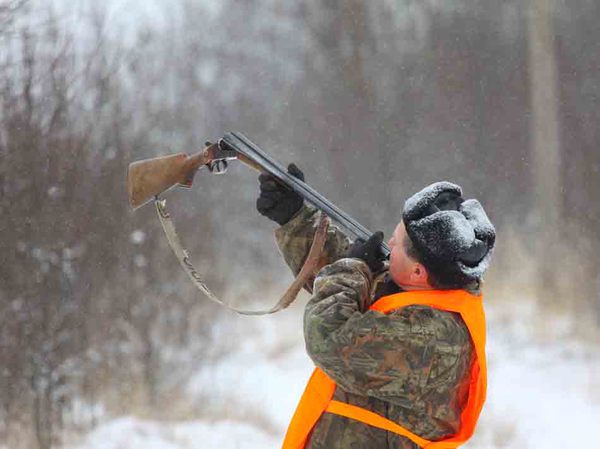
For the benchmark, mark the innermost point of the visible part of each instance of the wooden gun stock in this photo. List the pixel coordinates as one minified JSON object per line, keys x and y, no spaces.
{"x":150,"y":177}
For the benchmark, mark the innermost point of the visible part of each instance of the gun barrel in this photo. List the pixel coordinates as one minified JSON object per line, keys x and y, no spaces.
{"x":244,"y":146}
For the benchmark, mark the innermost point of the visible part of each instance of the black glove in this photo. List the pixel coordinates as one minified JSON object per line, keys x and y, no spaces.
{"x":369,"y":251}
{"x":277,"y":201}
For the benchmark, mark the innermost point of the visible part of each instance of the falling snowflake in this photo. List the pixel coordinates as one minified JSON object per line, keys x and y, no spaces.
{"x":137,"y":237}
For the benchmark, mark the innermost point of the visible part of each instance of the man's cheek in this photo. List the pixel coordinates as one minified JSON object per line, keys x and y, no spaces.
{"x":393,"y":263}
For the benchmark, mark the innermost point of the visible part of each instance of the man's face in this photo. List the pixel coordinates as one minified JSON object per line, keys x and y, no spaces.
{"x":404,"y":270}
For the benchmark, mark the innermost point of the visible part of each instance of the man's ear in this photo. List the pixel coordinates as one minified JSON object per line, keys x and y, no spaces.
{"x":419,"y":274}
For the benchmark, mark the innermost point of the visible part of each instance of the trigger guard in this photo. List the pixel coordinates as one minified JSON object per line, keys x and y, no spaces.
{"x":219,"y":167}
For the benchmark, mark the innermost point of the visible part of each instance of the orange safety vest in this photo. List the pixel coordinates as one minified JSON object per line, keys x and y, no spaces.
{"x":317,"y":397}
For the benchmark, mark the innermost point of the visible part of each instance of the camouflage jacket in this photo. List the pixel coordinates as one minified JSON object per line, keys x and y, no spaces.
{"x":410,"y":366}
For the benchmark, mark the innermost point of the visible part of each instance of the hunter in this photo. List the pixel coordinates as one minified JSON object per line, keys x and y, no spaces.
{"x":399,"y":345}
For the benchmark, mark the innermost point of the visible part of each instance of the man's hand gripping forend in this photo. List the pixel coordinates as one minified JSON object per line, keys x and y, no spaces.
{"x":277,"y":201}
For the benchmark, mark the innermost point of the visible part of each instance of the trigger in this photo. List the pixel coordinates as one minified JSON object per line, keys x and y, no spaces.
{"x":218,"y":167}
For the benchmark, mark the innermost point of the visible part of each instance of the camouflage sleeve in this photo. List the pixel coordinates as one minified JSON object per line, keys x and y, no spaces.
{"x":401,"y":358}
{"x":296,"y":236}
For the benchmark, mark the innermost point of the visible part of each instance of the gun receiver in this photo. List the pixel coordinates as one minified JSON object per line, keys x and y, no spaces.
{"x":148,"y":178}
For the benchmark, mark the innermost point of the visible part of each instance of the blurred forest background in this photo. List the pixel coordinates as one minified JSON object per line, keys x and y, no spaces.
{"x":373,"y":100}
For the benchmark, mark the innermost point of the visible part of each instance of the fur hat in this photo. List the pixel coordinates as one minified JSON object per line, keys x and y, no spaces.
{"x":454,"y":237}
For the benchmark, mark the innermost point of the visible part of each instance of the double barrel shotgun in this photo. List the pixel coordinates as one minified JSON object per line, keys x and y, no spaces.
{"x":147,"y":179}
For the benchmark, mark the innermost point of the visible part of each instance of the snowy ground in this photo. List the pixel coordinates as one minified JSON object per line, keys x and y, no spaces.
{"x":540,"y":395}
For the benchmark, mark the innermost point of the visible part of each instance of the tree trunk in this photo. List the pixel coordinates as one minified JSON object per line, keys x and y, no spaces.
{"x":545,"y":145}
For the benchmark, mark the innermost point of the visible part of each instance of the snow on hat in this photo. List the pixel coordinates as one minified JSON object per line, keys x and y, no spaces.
{"x":454,"y":237}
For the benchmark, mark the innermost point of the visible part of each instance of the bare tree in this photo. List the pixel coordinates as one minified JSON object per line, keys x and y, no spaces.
{"x":9,"y":9}
{"x":545,"y":140}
